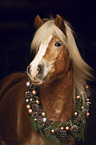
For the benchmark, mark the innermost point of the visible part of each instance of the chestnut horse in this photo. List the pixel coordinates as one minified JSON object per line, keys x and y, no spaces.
{"x":58,"y":70}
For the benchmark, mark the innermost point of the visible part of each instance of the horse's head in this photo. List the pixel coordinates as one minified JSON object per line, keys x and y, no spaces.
{"x":55,"y":44}
{"x":52,"y":57}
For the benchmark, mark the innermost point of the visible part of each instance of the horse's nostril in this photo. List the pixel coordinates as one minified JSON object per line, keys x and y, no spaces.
{"x":40,"y":70}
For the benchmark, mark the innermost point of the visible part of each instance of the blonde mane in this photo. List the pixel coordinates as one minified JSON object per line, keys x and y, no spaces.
{"x":81,"y":70}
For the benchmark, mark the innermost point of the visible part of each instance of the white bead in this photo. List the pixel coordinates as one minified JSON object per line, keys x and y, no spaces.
{"x":87,"y":87}
{"x":28,"y":106}
{"x":52,"y":131}
{"x":27,"y":84}
{"x":34,"y":92}
{"x":87,"y":99}
{"x":67,"y":128}
{"x":44,"y":120}
{"x":30,"y":111}
{"x":43,"y":113}
{"x":88,"y":113}
{"x":78,"y":97}
{"x":31,"y":99}
{"x":27,"y":100}
{"x":75,"y":113}
{"x":62,"y":127}
{"x":82,"y":107}
{"x":37,"y":101}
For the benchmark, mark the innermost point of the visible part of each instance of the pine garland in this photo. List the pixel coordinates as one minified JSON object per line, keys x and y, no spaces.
{"x":56,"y":132}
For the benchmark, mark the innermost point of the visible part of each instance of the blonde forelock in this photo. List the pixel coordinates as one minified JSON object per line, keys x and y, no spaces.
{"x":81,"y":70}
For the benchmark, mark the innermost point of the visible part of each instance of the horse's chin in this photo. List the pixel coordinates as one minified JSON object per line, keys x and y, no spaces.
{"x":45,"y":80}
{"x":37,"y":82}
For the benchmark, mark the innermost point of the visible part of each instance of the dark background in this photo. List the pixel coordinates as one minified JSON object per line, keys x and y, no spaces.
{"x":17,"y":29}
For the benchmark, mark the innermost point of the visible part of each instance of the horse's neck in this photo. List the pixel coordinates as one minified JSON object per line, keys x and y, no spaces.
{"x":57,"y":98}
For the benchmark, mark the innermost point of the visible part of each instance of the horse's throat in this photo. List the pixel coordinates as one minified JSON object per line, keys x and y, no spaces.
{"x":57,"y":98}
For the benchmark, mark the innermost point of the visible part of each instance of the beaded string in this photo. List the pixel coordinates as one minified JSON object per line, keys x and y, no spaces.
{"x":72,"y":128}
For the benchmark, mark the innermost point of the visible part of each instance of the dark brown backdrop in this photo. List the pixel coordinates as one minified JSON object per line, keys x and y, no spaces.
{"x":16,"y":33}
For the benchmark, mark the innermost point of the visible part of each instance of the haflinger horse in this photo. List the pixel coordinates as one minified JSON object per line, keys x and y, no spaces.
{"x":49,"y":104}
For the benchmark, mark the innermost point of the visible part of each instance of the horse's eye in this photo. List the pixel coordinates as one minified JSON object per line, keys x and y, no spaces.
{"x":58,"y":44}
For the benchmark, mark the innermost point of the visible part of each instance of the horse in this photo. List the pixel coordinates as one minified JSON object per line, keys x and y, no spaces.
{"x":49,"y":103}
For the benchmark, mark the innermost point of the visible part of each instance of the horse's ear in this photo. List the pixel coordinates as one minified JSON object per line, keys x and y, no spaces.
{"x":59,"y":22}
{"x":38,"y":22}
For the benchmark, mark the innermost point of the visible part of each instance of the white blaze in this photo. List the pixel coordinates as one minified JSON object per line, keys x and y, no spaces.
{"x":34,"y":64}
